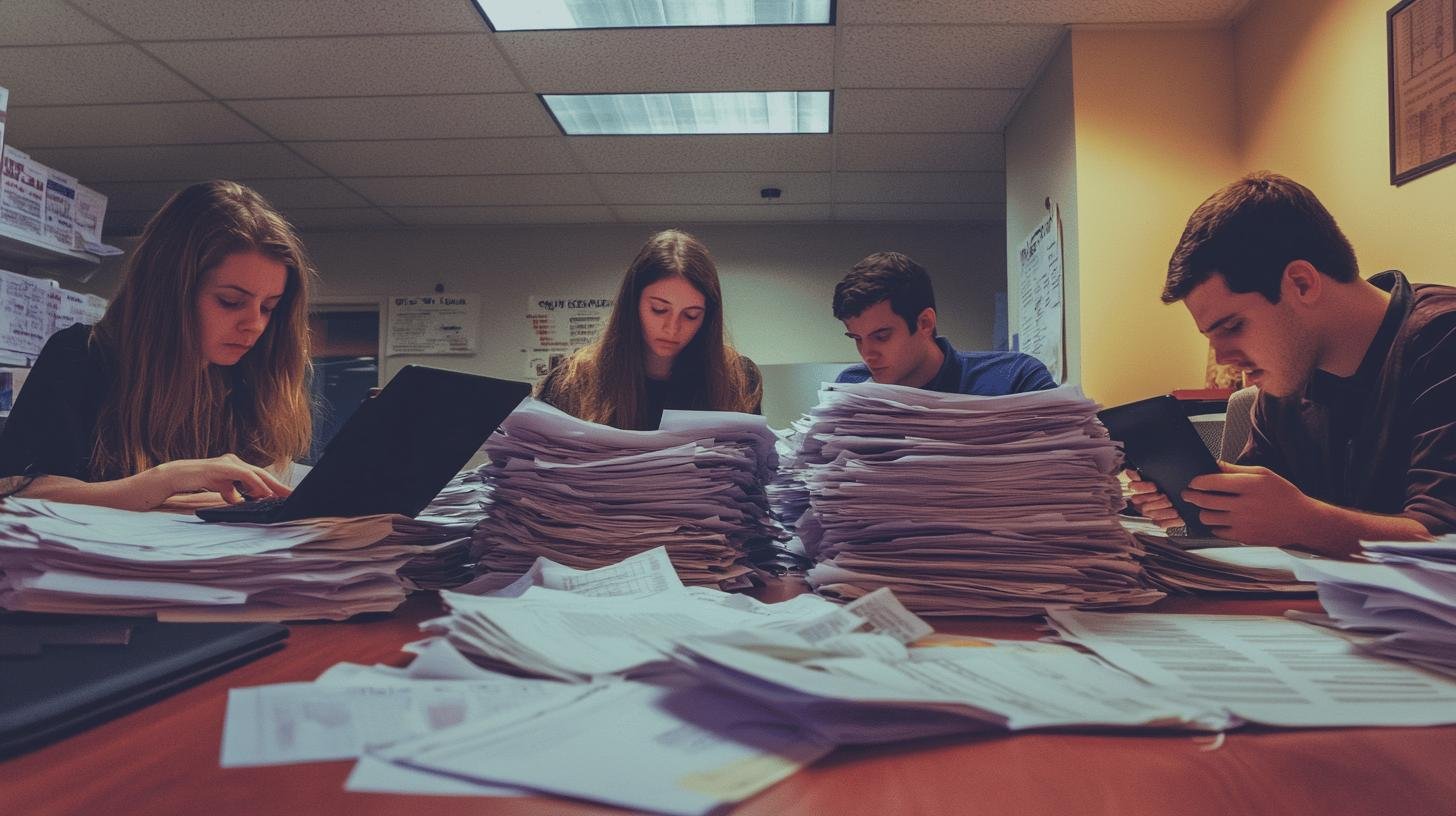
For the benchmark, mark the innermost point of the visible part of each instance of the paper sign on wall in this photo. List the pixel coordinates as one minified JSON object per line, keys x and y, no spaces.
{"x":433,"y":324}
{"x":560,"y":326}
{"x":1041,"y":306}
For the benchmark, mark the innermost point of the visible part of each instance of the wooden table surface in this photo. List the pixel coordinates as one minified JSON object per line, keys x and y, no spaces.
{"x":163,"y":759}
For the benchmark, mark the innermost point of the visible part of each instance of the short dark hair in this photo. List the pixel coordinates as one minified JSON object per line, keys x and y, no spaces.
{"x":885,"y":276}
{"x":1250,"y":231}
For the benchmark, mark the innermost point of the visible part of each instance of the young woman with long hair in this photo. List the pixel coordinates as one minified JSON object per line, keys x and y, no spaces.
{"x":662,"y":348}
{"x":196,"y":378}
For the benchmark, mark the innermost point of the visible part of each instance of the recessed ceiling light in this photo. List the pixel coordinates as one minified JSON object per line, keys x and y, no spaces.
{"x":535,"y":15}
{"x":690,"y":113}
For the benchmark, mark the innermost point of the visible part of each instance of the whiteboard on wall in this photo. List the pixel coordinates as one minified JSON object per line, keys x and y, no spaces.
{"x":432,"y":324}
{"x":1041,"y":316}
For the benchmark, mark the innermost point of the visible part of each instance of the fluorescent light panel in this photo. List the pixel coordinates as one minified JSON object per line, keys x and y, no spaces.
{"x":690,"y":113}
{"x":535,"y":15}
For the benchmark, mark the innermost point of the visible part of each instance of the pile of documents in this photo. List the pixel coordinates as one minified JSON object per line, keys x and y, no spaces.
{"x":1266,"y":670}
{"x":962,"y":505}
{"x":1405,"y":601}
{"x":692,"y":715}
{"x":1188,"y":566}
{"x":57,"y":557}
{"x":587,"y":495}
{"x":448,"y":521}
{"x":622,"y":619}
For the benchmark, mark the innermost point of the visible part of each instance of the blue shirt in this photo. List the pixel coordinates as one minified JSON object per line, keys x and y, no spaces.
{"x":982,"y":373}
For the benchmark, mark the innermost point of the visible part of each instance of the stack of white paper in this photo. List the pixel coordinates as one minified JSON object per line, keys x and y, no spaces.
{"x":962,"y":505}
{"x":446,"y":525}
{"x":1266,"y":670}
{"x":1407,"y":598}
{"x":57,"y":557}
{"x":993,"y":686}
{"x":443,"y":727}
{"x":1184,"y":566}
{"x":622,"y":619}
{"x":587,"y":495}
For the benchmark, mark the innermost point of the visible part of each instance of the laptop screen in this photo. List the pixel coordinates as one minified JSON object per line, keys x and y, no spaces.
{"x":400,"y":448}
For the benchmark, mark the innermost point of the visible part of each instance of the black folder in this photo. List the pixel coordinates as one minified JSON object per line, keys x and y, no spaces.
{"x":1165,"y":448}
{"x":60,"y":674}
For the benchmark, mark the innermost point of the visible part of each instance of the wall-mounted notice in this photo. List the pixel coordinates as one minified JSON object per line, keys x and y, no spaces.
{"x":27,"y":314}
{"x":433,"y":324}
{"x":561,"y":325}
{"x":1041,"y":316}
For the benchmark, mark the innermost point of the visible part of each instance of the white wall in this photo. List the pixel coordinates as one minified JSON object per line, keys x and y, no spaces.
{"x":1041,"y":165}
{"x":777,"y":279}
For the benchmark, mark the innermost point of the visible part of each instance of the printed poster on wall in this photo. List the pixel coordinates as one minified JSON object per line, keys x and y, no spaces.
{"x":1041,"y":315}
{"x":560,"y":326}
{"x":433,"y":324}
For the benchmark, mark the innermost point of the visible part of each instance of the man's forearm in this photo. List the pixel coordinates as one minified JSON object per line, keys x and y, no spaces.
{"x":1339,"y":530}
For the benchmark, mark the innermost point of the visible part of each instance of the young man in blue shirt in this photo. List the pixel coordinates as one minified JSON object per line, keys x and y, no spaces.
{"x":888,"y":308}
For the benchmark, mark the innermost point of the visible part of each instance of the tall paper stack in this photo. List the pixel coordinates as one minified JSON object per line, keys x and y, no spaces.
{"x":962,"y":505}
{"x":587,"y":495}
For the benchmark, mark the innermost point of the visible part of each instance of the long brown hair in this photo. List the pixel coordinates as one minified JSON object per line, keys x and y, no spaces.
{"x":608,"y":378}
{"x":167,"y":403}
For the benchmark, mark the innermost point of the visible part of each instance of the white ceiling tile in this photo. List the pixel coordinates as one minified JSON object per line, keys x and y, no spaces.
{"x":172,"y":162}
{"x":650,"y":154}
{"x":711,"y":188}
{"x":299,"y":192}
{"x":751,"y":58}
{"x":925,"y":152}
{"x":230,"y":19}
{"x":342,"y":66}
{"x":400,"y":117}
{"x":939,"y":110}
{"x":919,"y":212}
{"x":441,"y":157}
{"x":882,"y":12}
{"x":699,"y":213}
{"x":88,"y":74}
{"x":445,"y":216}
{"x":339,"y":218}
{"x":943,"y":56}
{"x":47,"y":22}
{"x":930,"y":188}
{"x":457,"y":191}
{"x":122,"y":125}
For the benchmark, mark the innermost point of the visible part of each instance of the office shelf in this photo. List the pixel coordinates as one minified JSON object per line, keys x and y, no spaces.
{"x":22,"y":249}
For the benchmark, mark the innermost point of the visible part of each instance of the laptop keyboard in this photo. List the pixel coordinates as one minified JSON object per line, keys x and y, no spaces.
{"x":254,"y":510}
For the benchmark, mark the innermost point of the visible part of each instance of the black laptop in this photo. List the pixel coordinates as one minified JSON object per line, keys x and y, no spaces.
{"x":59,"y":674}
{"x":397,"y":451}
{"x":1162,"y":444}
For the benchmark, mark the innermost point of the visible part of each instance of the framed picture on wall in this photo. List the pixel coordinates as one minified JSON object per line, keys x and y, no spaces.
{"x":1421,"y":48}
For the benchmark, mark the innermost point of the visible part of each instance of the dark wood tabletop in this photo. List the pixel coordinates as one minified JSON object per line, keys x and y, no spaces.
{"x":163,"y":759}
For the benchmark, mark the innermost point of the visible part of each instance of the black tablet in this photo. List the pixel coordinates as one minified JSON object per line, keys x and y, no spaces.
{"x":1163,"y":446}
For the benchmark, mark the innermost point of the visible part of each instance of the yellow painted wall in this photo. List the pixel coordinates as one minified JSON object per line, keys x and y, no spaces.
{"x":1311,"y":79}
{"x":1155,"y":135}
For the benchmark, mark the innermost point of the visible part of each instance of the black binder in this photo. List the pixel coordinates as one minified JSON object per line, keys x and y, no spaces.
{"x":59,"y":688}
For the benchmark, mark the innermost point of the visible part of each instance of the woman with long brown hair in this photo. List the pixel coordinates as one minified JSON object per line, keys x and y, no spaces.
{"x":196,"y":378}
{"x":663,"y":347}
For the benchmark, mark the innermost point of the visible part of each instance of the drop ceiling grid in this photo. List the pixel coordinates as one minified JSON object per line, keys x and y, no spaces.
{"x":253,"y":168}
{"x":416,"y":112}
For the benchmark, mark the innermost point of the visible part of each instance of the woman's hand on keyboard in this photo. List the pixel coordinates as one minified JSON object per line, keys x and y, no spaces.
{"x":226,"y":475}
